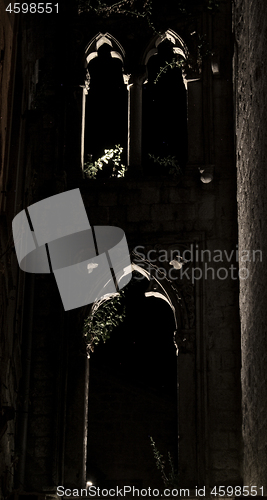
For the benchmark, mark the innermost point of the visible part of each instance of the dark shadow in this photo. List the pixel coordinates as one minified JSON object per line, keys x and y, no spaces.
{"x":133,"y":395}
{"x":164,"y":112}
{"x":106,"y":106}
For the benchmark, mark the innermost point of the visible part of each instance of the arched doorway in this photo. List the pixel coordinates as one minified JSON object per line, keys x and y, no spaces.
{"x":133,"y":394}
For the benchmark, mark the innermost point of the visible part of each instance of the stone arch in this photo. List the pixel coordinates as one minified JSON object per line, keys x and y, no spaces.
{"x":160,"y":398}
{"x":91,"y":50}
{"x":159,"y":286}
{"x":179,"y":47}
{"x":162,"y":289}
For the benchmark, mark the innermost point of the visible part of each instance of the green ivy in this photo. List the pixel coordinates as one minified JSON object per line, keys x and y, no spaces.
{"x":106,"y":316}
{"x":112,"y":158}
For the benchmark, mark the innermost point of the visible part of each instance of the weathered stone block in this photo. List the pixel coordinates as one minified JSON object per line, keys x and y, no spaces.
{"x":139,"y":213}
{"x":162,"y":212}
{"x":148,"y":195}
{"x":107,"y":199}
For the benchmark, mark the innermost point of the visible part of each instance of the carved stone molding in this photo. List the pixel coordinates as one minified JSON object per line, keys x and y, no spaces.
{"x":185,"y":341}
{"x":179,"y":47}
{"x":160,"y":258}
{"x":91,"y":51}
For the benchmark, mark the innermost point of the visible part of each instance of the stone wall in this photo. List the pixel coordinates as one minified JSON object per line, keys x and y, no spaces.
{"x":33,"y":391}
{"x":157,"y":212}
{"x":250,"y":28}
{"x":10,"y":285}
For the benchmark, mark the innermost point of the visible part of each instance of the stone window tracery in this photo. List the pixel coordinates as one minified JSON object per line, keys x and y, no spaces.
{"x":110,"y":116}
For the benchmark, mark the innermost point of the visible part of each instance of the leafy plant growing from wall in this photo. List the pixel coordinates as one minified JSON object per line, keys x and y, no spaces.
{"x":105,"y":315}
{"x":110,"y":161}
{"x":170,"y":479}
{"x":169,"y":163}
{"x":174,"y":63}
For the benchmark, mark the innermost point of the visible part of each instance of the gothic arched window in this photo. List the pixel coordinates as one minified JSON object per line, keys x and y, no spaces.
{"x":158,"y":127}
{"x":105,"y":98}
{"x":164,"y":111}
{"x":164,"y":102}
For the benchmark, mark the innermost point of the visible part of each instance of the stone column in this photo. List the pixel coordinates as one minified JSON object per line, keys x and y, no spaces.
{"x":134,"y":146}
{"x":76,"y":421}
{"x":195,"y":122}
{"x":85,"y":88}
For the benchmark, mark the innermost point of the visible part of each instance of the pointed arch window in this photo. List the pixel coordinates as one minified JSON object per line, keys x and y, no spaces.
{"x":136,"y":121}
{"x":104,"y":121}
{"x":164,"y":131}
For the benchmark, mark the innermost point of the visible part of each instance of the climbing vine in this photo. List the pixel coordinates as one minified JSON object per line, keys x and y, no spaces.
{"x":144,"y":8}
{"x":169,"y":65}
{"x":133,"y":8}
{"x":105,"y":315}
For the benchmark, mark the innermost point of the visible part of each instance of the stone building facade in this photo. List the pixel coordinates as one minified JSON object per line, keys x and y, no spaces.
{"x":219,"y":319}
